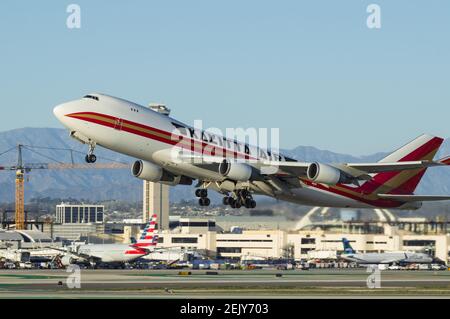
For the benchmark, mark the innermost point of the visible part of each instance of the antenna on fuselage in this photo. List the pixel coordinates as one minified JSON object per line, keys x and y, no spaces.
{"x":160,"y":108}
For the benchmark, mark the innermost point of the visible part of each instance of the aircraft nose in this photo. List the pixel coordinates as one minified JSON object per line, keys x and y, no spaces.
{"x":57,"y":111}
{"x":60,"y":110}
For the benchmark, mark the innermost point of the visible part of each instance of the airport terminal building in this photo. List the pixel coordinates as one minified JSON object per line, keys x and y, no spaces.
{"x":300,"y":245}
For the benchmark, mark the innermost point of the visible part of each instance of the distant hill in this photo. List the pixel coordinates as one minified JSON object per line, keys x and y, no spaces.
{"x":119,"y":184}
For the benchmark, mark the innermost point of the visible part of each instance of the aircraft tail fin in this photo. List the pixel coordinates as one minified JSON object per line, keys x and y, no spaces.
{"x":404,"y":182}
{"x":149,"y":236}
{"x":347,"y":247}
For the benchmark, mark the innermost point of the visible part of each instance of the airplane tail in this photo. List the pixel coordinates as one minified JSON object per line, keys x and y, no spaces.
{"x":423,"y":148}
{"x":149,"y":236}
{"x":347,"y":247}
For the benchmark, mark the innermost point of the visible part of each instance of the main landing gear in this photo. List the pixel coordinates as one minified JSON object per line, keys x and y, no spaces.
{"x":90,"y":157}
{"x":202,"y":193}
{"x":242,"y":197}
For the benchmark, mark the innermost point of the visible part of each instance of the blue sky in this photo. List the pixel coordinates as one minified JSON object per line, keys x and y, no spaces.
{"x":311,"y":68}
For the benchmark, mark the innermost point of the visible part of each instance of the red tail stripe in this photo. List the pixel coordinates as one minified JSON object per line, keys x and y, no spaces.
{"x":410,"y":185}
{"x":423,"y":150}
{"x":417,"y":154}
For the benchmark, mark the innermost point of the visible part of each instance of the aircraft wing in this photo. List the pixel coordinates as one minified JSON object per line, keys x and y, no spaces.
{"x":391,"y":261}
{"x":355,"y":169}
{"x":414,"y":198}
{"x":266,"y":167}
{"x":298,"y":169}
{"x":81,"y":255}
{"x":380,"y":167}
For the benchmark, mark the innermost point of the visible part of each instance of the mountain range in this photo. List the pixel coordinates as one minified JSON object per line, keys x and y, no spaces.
{"x":51,"y":145}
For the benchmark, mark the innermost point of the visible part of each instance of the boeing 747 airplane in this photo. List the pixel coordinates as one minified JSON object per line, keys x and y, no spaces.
{"x":173,"y":153}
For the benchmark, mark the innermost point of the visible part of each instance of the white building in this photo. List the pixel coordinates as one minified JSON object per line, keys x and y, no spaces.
{"x":282,"y":244}
{"x":79,"y":213}
{"x":156,"y":201}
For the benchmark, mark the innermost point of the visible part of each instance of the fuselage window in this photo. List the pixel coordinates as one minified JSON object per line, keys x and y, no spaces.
{"x":91,"y":97}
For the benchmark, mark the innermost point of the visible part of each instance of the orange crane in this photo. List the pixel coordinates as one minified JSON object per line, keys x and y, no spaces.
{"x":21,"y":169}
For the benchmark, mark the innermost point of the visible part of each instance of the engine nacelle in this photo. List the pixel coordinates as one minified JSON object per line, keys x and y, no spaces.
{"x":239,"y":172}
{"x":67,"y":260}
{"x":154,"y":173}
{"x":326,"y":174}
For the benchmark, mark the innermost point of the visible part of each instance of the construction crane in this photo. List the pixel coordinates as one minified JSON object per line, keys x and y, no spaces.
{"x":21,"y":169}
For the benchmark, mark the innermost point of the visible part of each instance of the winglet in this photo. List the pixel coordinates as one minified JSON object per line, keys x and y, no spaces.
{"x":445,"y":160}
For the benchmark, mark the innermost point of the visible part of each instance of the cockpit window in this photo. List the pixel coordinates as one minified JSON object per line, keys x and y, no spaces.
{"x":91,"y":97}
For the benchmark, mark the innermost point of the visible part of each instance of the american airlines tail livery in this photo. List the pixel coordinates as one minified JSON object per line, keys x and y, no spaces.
{"x":174,"y":153}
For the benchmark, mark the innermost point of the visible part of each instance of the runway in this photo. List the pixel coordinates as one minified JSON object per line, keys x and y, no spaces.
{"x":224,"y":284}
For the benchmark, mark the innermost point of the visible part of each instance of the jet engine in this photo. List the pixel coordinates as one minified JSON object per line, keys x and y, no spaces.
{"x":240,"y":172}
{"x":326,"y":174}
{"x":154,"y":173}
{"x":68,"y":260}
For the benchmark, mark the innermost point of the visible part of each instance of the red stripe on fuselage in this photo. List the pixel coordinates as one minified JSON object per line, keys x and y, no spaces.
{"x":201,"y":147}
{"x":135,"y":252}
{"x":137,"y":245}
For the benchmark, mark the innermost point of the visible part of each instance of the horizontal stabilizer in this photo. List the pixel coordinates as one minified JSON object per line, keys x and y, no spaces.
{"x":391,"y":167}
{"x":445,"y":160}
{"x":414,"y":198}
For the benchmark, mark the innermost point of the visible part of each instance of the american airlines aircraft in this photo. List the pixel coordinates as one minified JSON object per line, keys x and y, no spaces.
{"x":174,"y":153}
{"x":383,"y":258}
{"x":114,"y":253}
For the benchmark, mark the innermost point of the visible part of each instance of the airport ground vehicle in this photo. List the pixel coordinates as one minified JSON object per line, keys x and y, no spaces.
{"x":395,"y":267}
{"x":438,"y":267}
{"x":424,"y":267}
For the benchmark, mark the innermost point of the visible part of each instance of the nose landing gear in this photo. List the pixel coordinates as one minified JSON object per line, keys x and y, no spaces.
{"x":90,"y":157}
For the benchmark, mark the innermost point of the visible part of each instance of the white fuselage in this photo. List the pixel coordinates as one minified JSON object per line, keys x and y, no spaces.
{"x":388,"y":258}
{"x":140,"y":132}
{"x":106,"y":253}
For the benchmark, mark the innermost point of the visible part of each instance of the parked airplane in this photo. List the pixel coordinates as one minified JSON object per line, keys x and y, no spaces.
{"x":173,"y":153}
{"x":113,"y":253}
{"x":383,"y":258}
